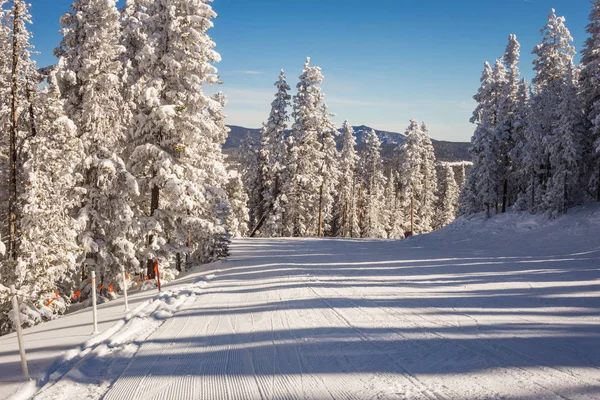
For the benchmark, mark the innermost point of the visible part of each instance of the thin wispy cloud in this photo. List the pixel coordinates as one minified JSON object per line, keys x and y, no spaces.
{"x":334,"y":100}
{"x":248,"y":72}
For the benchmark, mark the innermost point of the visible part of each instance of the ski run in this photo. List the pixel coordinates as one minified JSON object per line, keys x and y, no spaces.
{"x":501,"y":308}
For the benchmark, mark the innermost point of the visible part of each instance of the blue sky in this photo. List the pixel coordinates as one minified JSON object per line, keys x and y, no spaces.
{"x":384,"y":61}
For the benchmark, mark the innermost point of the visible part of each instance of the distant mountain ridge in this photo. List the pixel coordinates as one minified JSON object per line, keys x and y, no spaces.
{"x":238,"y":133}
{"x":445,"y":151}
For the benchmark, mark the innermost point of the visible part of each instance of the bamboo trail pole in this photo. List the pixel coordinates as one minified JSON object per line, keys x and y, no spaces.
{"x":15,"y":304}
{"x":94,"y":310}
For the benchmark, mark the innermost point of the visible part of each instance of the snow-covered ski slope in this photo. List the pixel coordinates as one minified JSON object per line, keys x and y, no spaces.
{"x":507,"y":308}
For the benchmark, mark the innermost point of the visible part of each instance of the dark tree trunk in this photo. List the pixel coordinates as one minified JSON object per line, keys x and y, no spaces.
{"x":320,"y":233}
{"x":504,"y":195}
{"x":12,"y":202}
{"x":154,"y":204}
{"x":598,"y":184}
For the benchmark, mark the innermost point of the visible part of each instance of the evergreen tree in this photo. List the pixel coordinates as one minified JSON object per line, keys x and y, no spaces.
{"x":482,"y":190}
{"x":522,"y":171}
{"x":251,"y":177}
{"x":430,"y":183}
{"x":391,"y":211}
{"x":307,"y":181}
{"x":590,"y":97}
{"x":328,"y":171}
{"x":448,"y":196}
{"x":19,"y":80}
{"x":177,"y":135}
{"x":289,"y":189}
{"x":564,"y":187}
{"x":49,"y":251}
{"x":471,"y":199}
{"x":347,"y":186}
{"x":554,"y":68}
{"x":5,"y":105}
{"x":89,"y":70}
{"x":133,"y":39}
{"x":411,"y":178}
{"x":374,"y":183}
{"x":273,"y":154}
{"x":237,"y":220}
{"x":508,"y":108}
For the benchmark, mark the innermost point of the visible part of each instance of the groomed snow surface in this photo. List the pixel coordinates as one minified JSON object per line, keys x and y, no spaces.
{"x":506,"y":308}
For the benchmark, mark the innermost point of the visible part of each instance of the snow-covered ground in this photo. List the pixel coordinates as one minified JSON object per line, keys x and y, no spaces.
{"x":507,"y":308}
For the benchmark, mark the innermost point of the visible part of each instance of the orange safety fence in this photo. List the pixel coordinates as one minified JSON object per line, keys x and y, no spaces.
{"x":52,"y":300}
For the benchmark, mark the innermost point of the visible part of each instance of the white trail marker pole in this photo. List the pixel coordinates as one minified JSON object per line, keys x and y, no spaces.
{"x":94,"y":311}
{"x":125,"y":288}
{"x":15,"y":304}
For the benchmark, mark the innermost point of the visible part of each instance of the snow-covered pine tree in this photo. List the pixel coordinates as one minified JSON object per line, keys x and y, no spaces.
{"x":251,"y":178}
{"x":23,"y":81}
{"x":133,"y":38}
{"x":460,"y":173}
{"x":471,"y":199}
{"x":448,"y":195}
{"x":307,"y":181}
{"x":563,"y":147}
{"x":88,"y":75}
{"x":521,"y":174}
{"x":554,"y":66}
{"x":273,"y":153}
{"x":289,"y":189}
{"x":5,"y":68}
{"x":391,"y":211}
{"x":177,"y":135}
{"x":430,"y":183}
{"x":411,"y":177}
{"x":481,"y":191}
{"x":237,"y":220}
{"x":18,"y":111}
{"x":328,"y":170}
{"x":49,"y":252}
{"x":590,"y":97}
{"x":507,"y":123}
{"x":347,"y":186}
{"x":418,"y":179}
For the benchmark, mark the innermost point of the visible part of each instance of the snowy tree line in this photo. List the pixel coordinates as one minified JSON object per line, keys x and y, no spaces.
{"x":113,"y":157}
{"x":537,"y":147}
{"x":305,"y":184}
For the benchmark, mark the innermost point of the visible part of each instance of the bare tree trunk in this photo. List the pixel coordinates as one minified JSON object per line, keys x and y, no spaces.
{"x":12,"y":201}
